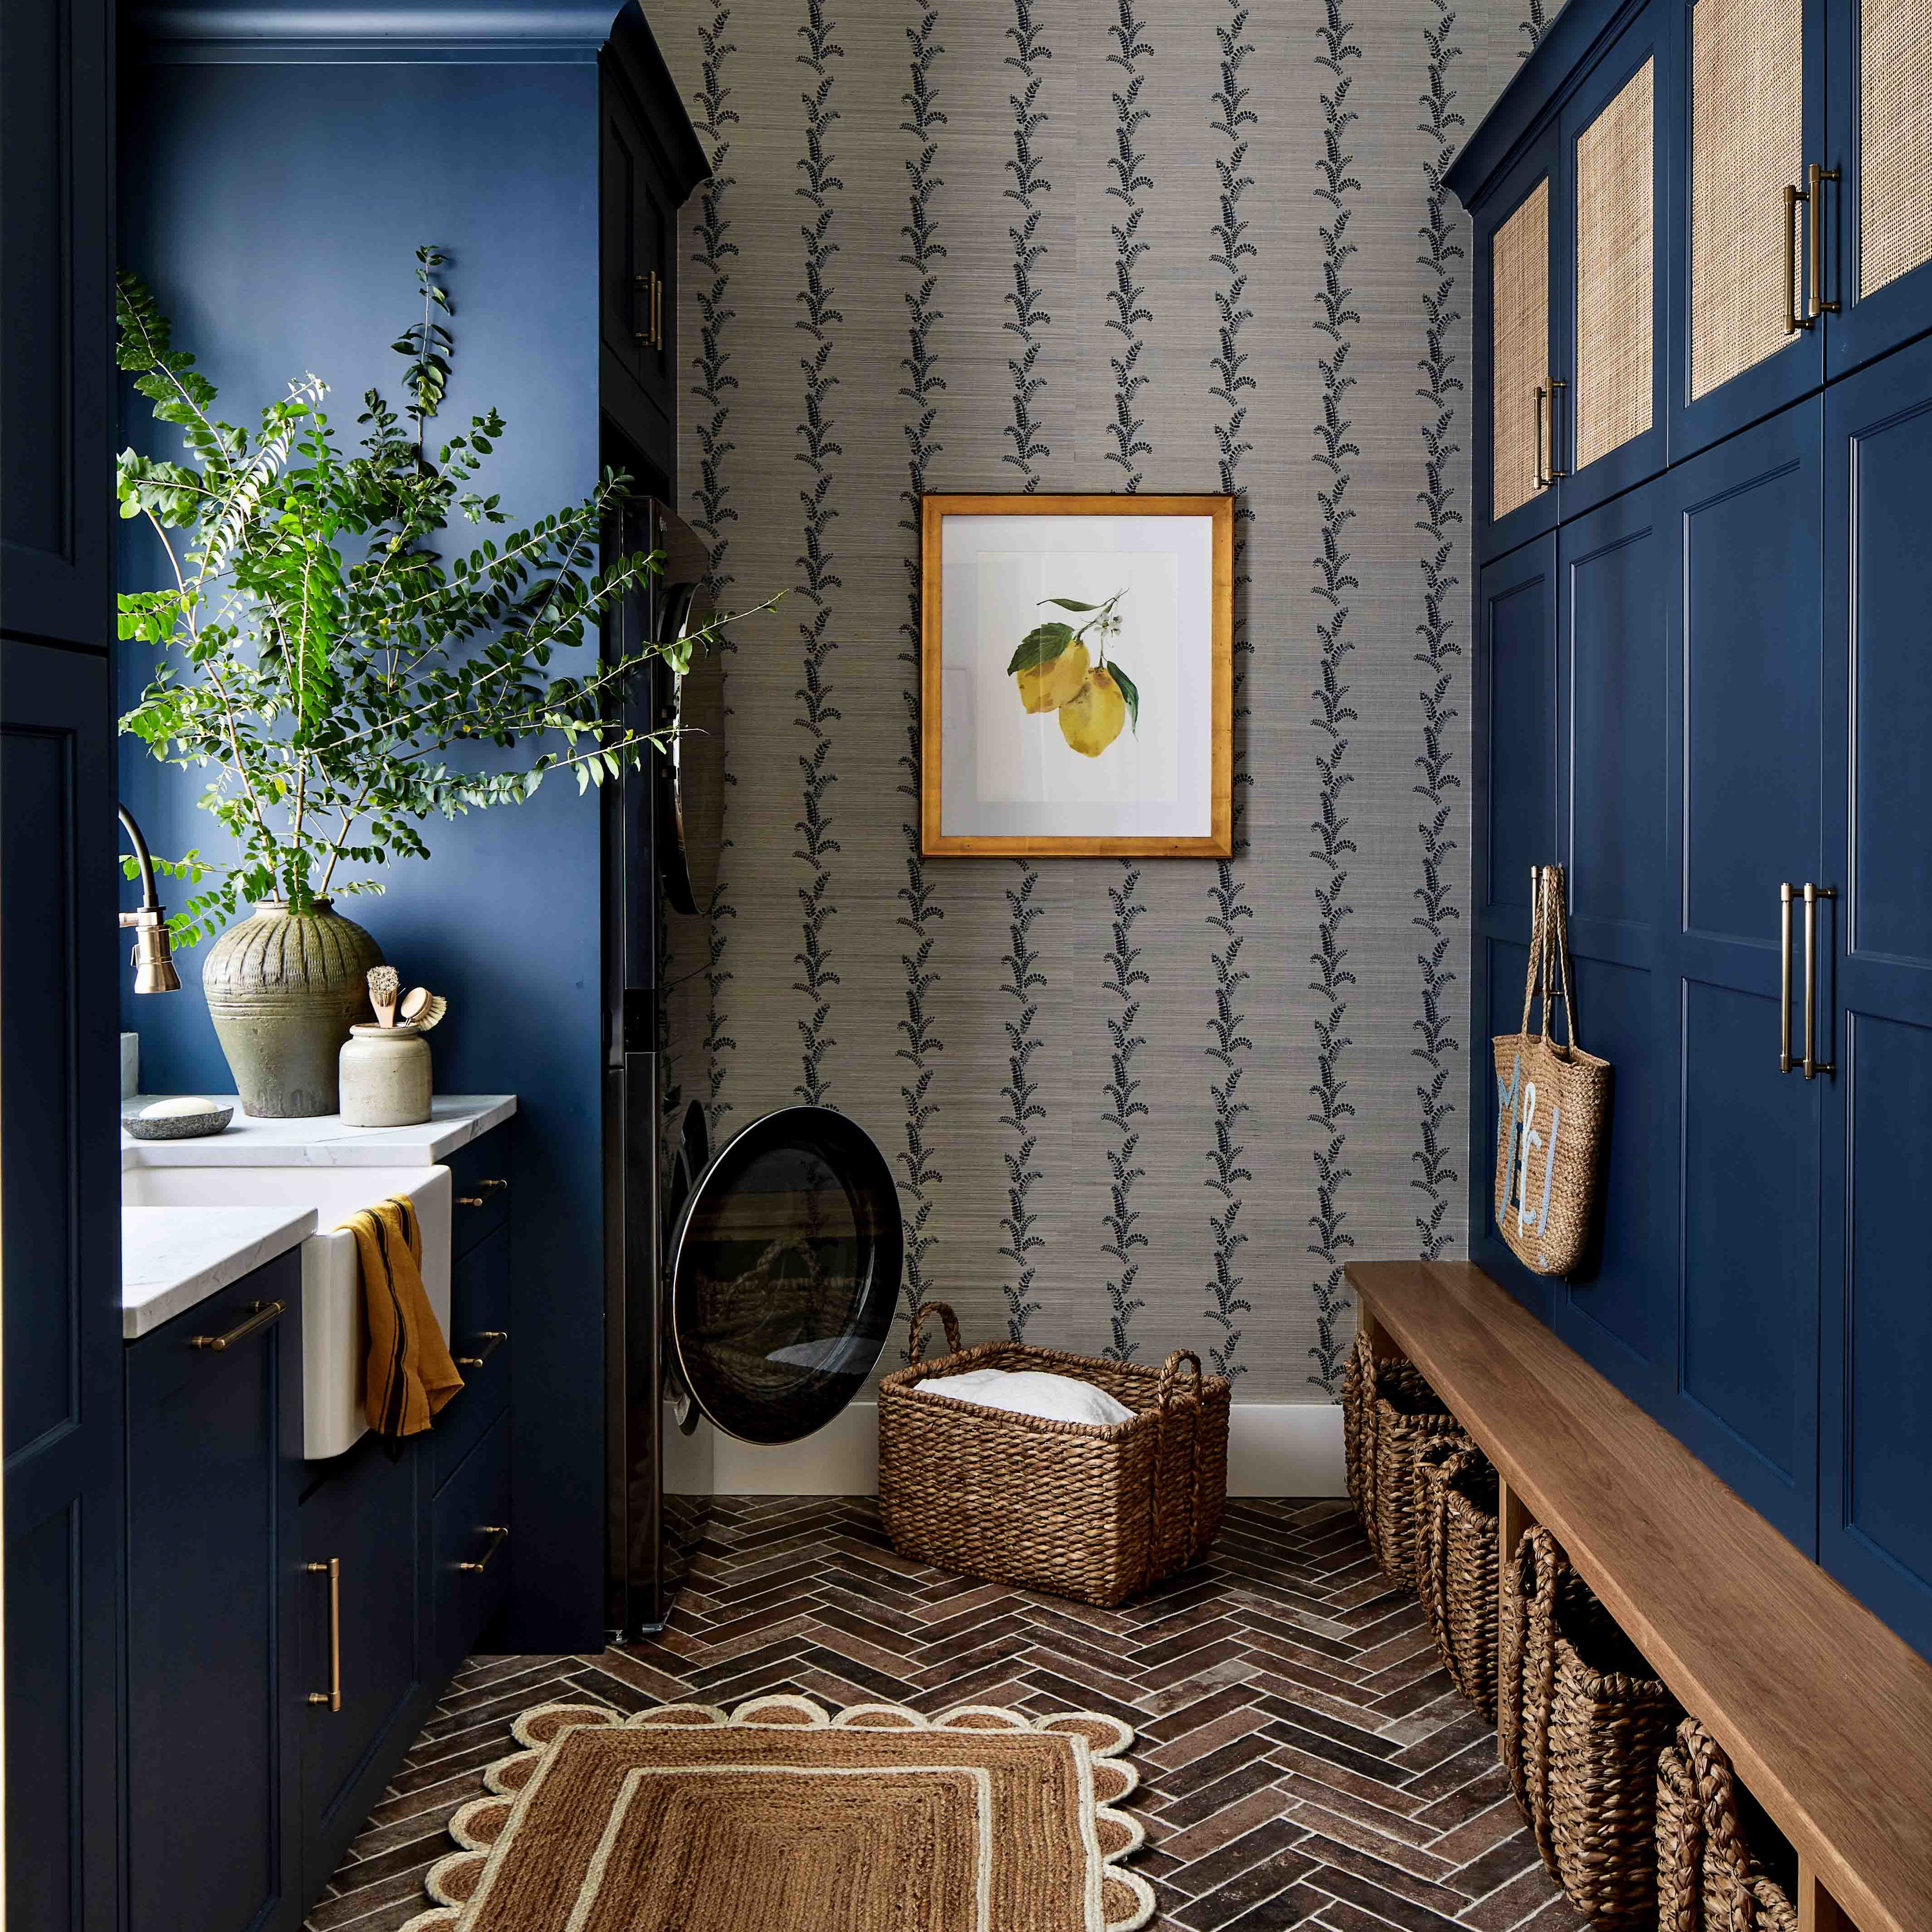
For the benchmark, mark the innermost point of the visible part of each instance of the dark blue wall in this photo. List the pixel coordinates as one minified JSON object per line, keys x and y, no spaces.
{"x":275,"y":208}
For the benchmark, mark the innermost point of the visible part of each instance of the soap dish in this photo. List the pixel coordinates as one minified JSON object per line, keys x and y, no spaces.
{"x":177,"y":1126}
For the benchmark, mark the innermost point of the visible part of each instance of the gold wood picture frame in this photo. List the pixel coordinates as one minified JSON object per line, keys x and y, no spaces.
{"x":1077,"y":677}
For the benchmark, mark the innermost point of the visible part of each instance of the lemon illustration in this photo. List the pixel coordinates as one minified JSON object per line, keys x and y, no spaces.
{"x":1092,"y":718}
{"x":1048,"y":686}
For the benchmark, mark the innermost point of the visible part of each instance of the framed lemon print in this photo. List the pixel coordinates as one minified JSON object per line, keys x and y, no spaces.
{"x":1077,"y":675}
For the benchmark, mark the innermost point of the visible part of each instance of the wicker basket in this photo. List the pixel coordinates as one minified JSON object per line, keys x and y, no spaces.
{"x":1455,"y":1565}
{"x":1707,"y":1879}
{"x":1084,"y":1511}
{"x":1580,"y":1721}
{"x":1388,"y":1413}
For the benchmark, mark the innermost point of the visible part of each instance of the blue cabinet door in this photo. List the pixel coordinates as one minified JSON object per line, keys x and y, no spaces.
{"x":214,"y":1463}
{"x":1746,"y":732}
{"x":1515,"y":818}
{"x":1875,"y":1526}
{"x":1615,"y":270}
{"x":1747,"y":122}
{"x":1876,"y":236}
{"x":1617,"y":614}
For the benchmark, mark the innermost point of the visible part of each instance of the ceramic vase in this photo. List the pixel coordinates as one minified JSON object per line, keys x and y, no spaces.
{"x":385,"y":1077}
{"x":283,"y":989}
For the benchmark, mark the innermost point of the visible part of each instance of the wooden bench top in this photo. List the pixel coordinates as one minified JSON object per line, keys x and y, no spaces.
{"x":1826,"y":1713}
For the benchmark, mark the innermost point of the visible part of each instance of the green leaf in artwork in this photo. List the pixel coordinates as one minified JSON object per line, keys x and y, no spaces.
{"x":1069,"y":603}
{"x":1040,"y":647}
{"x":1129,"y":690}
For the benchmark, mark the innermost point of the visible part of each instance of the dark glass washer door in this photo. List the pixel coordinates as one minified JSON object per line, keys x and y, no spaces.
{"x":784,"y":1274}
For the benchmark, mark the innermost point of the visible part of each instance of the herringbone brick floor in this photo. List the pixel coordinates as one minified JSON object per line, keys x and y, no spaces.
{"x":1305,"y":1761}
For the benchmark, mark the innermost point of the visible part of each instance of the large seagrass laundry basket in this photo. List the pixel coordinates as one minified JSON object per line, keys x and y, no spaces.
{"x":1388,"y":1413}
{"x":1707,"y":1878}
{"x":1081,"y":1509}
{"x":1580,"y":1723}
{"x":1455,"y":1565}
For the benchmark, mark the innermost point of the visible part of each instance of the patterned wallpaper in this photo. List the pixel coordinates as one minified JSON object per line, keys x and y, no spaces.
{"x":1117,"y":244}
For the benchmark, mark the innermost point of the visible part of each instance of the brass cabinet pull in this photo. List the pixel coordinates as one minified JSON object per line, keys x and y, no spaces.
{"x":499,"y":1534}
{"x":261,"y":1314}
{"x":493,"y":1338}
{"x":652,"y":334}
{"x":1794,"y":320}
{"x":1785,"y":890}
{"x":485,"y":1188}
{"x":469,"y":1201}
{"x":1813,"y":894}
{"x":1815,"y":177}
{"x":332,"y":1569}
{"x":1542,"y":397}
{"x":1555,"y":383}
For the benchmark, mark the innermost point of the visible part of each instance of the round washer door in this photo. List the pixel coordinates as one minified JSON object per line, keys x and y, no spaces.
{"x":784,"y":1274}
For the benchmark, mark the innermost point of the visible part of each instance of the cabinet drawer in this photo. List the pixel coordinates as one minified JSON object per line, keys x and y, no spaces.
{"x":479,"y":1338}
{"x":480,"y":1187}
{"x":473,"y":1545}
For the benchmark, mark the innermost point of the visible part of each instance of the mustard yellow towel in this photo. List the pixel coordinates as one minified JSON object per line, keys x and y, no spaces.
{"x":408,"y":1375}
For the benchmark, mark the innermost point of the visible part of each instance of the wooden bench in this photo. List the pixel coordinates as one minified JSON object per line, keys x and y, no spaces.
{"x":1826,"y":1714}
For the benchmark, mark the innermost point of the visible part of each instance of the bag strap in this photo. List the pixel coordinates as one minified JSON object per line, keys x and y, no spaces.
{"x":1537,"y":947}
{"x":1556,"y":942}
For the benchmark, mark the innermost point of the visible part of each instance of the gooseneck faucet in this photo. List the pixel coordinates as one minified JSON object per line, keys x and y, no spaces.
{"x":153,"y":956}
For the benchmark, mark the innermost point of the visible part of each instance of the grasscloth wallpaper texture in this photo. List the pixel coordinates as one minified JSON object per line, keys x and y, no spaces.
{"x":1098,"y":245}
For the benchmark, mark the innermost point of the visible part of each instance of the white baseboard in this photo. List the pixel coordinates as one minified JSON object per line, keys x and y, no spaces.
{"x":1274,"y":1449}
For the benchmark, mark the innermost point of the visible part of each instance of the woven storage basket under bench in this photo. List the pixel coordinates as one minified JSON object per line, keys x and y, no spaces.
{"x":1084,"y":1510}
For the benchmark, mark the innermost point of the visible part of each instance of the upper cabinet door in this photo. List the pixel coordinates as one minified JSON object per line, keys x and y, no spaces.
{"x":639,"y":300}
{"x":1610,"y":428}
{"x":1518,"y":238}
{"x":1873,"y":283}
{"x":1751,"y":121}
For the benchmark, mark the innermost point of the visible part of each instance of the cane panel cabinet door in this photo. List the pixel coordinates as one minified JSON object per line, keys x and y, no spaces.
{"x":1748,"y":122}
{"x":1610,"y":426}
{"x":1875,"y":1527}
{"x":1746,"y":734}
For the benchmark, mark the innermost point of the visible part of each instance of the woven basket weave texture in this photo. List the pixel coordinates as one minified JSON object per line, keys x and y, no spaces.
{"x":1580,"y":1723}
{"x":1083,"y":1510}
{"x":1455,"y":1565}
{"x":1707,"y":1880}
{"x":1389,"y":1413}
{"x":1518,"y":348}
{"x":1894,"y":140}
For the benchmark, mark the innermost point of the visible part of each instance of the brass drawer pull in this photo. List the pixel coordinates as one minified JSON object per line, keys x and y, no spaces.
{"x":1785,"y":890}
{"x":1542,"y":397}
{"x":652,"y":334}
{"x":261,"y":1314}
{"x":1813,"y":894}
{"x":499,"y":1534}
{"x":332,"y":1569}
{"x":1556,"y":383}
{"x":487,"y":1188}
{"x":493,"y":1338}
{"x":1793,"y":319}
{"x":1814,"y":179}
{"x":493,"y":1186}
{"x":469,"y":1201}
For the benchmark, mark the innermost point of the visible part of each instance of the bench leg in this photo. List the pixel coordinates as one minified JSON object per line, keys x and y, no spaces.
{"x":1380,"y":1346}
{"x":1818,"y":1911}
{"x":1512,"y":1518}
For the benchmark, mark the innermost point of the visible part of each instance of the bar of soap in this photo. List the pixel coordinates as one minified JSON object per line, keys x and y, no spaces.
{"x":176,"y":1105}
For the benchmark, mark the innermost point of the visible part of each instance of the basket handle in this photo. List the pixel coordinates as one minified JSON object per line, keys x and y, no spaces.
{"x":1169,"y":1390}
{"x":948,"y":1320}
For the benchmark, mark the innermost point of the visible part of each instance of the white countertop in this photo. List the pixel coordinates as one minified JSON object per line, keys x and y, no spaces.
{"x":455,"y":1119}
{"x":171,"y":1257}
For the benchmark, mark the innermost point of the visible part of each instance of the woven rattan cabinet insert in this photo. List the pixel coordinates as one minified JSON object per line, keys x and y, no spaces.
{"x":1519,"y":353}
{"x":1616,"y":249}
{"x":1895,"y":140}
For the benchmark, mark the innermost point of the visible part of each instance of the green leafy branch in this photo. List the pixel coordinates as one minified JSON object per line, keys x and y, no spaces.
{"x":319,"y":656}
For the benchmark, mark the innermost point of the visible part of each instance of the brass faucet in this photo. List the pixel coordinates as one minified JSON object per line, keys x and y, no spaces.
{"x":153,"y":956}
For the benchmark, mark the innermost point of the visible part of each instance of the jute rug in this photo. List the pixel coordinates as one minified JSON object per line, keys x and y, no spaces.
{"x":780,"y":1817}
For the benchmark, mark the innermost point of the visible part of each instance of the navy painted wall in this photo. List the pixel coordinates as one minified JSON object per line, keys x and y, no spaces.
{"x":275,"y":207}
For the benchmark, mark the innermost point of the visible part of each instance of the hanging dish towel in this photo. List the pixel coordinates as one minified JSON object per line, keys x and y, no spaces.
{"x":1553,"y":1103}
{"x":408,"y":1375}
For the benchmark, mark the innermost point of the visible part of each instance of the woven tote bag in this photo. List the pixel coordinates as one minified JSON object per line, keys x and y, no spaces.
{"x":1554,"y":1108}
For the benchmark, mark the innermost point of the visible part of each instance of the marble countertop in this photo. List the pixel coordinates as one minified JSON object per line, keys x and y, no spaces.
{"x":171,"y":1257}
{"x":455,"y":1119}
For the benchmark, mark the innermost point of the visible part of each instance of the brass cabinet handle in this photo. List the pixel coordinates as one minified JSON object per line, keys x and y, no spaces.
{"x":1813,"y":894}
{"x":494,"y":1339}
{"x":332,"y":1569}
{"x":499,"y":1534}
{"x":1555,"y":383}
{"x":1542,"y":396}
{"x":1785,"y":890}
{"x":1815,"y":176}
{"x":651,"y":335}
{"x":485,"y":1187}
{"x":261,"y":1314}
{"x":469,"y":1201}
{"x":1793,"y":319}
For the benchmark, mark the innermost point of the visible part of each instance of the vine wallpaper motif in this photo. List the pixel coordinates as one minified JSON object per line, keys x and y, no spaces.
{"x":1097,"y":244}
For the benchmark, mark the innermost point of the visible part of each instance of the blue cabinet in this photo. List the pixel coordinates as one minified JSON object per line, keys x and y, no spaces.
{"x":214,"y":1438}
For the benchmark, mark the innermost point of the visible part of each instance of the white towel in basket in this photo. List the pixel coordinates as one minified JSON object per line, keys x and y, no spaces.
{"x":1030,"y":1392}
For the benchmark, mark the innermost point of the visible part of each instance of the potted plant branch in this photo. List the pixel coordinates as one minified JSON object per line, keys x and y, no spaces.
{"x":342,"y":680}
